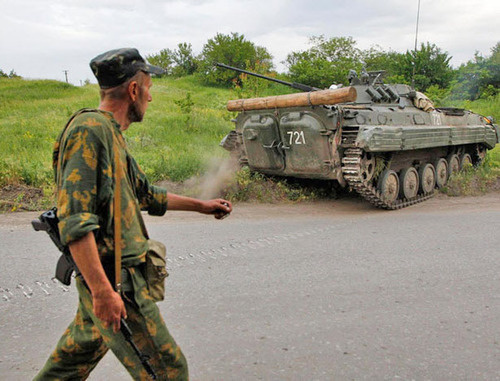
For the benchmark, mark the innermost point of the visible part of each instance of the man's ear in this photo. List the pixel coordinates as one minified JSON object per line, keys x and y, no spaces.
{"x":133,"y":90}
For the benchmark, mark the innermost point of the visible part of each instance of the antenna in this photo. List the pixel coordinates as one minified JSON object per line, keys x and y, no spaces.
{"x":416,"y":30}
{"x":415,"y":49}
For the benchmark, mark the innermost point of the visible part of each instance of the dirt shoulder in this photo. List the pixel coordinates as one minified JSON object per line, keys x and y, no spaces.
{"x":350,"y":205}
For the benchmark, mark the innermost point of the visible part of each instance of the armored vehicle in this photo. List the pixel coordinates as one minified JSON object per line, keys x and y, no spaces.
{"x":386,"y":142}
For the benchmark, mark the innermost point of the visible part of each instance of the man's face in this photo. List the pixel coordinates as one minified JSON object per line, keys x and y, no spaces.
{"x":138,"y":108}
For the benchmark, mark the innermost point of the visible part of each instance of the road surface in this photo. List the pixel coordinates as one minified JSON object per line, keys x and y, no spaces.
{"x":325,"y":291}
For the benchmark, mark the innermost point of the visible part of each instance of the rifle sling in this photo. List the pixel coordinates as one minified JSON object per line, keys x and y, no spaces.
{"x":118,"y":174}
{"x":117,"y":210}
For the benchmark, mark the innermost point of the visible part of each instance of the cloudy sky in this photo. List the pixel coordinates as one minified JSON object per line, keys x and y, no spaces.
{"x":42,"y":38}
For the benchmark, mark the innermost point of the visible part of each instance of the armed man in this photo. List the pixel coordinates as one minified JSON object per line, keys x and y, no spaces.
{"x":101,"y":191}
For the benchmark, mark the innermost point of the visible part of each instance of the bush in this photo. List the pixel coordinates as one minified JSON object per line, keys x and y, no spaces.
{"x":12,"y":74}
{"x":474,"y":181}
{"x":326,"y":62}
{"x":233,"y":50}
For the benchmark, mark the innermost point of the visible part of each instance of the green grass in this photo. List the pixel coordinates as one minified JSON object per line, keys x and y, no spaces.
{"x":487,"y":107}
{"x":253,"y":186}
{"x":168,"y":144}
{"x":172,"y":143}
{"x":175,"y":145}
{"x":476,"y":181}
{"x":31,"y":115}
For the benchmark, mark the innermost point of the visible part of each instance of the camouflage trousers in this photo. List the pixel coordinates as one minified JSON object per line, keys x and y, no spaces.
{"x":86,"y":340}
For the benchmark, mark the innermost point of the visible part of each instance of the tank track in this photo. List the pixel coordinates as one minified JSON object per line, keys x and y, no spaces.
{"x":351,"y":170}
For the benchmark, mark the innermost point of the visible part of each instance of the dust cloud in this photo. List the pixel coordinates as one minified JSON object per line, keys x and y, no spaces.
{"x":220,"y":173}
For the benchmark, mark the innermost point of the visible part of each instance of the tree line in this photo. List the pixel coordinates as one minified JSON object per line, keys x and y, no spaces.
{"x":12,"y":74}
{"x":328,"y":61}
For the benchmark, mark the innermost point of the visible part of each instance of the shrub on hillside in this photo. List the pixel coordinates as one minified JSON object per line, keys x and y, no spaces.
{"x":234,"y":50}
{"x":12,"y":74}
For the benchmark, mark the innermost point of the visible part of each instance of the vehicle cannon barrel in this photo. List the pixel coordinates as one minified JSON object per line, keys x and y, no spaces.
{"x":295,"y":85}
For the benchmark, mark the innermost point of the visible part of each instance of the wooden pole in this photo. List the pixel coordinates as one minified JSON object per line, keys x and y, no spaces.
{"x":314,"y":98}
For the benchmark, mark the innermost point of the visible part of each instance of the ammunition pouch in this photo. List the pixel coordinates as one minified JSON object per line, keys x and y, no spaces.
{"x":156,"y":271}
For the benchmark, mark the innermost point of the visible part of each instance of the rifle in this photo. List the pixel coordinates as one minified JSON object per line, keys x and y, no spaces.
{"x":294,"y":85}
{"x":66,"y":266}
{"x":144,"y":358}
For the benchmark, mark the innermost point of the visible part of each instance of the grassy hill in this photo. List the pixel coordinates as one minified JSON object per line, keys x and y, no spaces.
{"x":172,"y":143}
{"x":178,"y":138}
{"x":487,"y":107}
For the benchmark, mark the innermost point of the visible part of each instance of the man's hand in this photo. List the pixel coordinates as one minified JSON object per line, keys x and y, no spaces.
{"x":109,"y":308}
{"x":219,"y":208}
{"x":108,"y":305}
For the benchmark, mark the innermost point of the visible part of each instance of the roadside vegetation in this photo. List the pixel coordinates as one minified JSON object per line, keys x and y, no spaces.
{"x":179,"y":137}
{"x":176,"y":141}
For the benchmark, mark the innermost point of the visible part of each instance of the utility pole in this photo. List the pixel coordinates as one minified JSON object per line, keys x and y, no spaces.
{"x":66,"y":75}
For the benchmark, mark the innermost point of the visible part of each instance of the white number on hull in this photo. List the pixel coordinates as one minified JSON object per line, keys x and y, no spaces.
{"x":296,"y":137}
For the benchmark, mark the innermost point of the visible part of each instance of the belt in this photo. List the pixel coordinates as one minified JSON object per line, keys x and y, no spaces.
{"x":127,"y":285}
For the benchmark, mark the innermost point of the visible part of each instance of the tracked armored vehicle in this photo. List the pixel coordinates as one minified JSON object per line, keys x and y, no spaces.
{"x":386,"y":142}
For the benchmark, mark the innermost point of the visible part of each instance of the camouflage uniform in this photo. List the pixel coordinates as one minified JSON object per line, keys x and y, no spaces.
{"x":85,"y":178}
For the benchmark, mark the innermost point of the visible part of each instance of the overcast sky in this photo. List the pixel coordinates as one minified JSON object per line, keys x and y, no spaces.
{"x":41,"y":38}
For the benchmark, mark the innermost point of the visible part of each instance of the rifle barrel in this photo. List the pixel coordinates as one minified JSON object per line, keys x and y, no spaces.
{"x":127,"y":333}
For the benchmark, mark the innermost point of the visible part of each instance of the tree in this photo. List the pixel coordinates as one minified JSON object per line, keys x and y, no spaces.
{"x":468,"y":78}
{"x":478,"y":76}
{"x":328,"y":61}
{"x":185,"y":61}
{"x":493,"y":67}
{"x":426,"y":66}
{"x":376,"y":59}
{"x":233,"y":50}
{"x":163,"y":59}
{"x":12,"y":74}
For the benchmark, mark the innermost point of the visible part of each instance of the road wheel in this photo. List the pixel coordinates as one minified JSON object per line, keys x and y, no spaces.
{"x":427,"y":175}
{"x":441,"y":167}
{"x":388,"y":185}
{"x":367,"y":166}
{"x":408,"y":181}
{"x":453,"y":164}
{"x":465,"y":161}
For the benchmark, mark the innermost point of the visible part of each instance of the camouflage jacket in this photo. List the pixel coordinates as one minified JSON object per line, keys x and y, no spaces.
{"x":84,"y":171}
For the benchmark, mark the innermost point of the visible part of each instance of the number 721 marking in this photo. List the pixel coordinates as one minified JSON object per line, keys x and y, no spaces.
{"x":296,"y":137}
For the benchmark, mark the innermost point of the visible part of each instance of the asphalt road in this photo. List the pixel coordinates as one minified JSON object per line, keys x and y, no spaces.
{"x":329,"y":291}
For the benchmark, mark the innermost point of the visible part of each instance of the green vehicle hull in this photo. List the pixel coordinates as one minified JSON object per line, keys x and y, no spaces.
{"x":381,"y":145}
